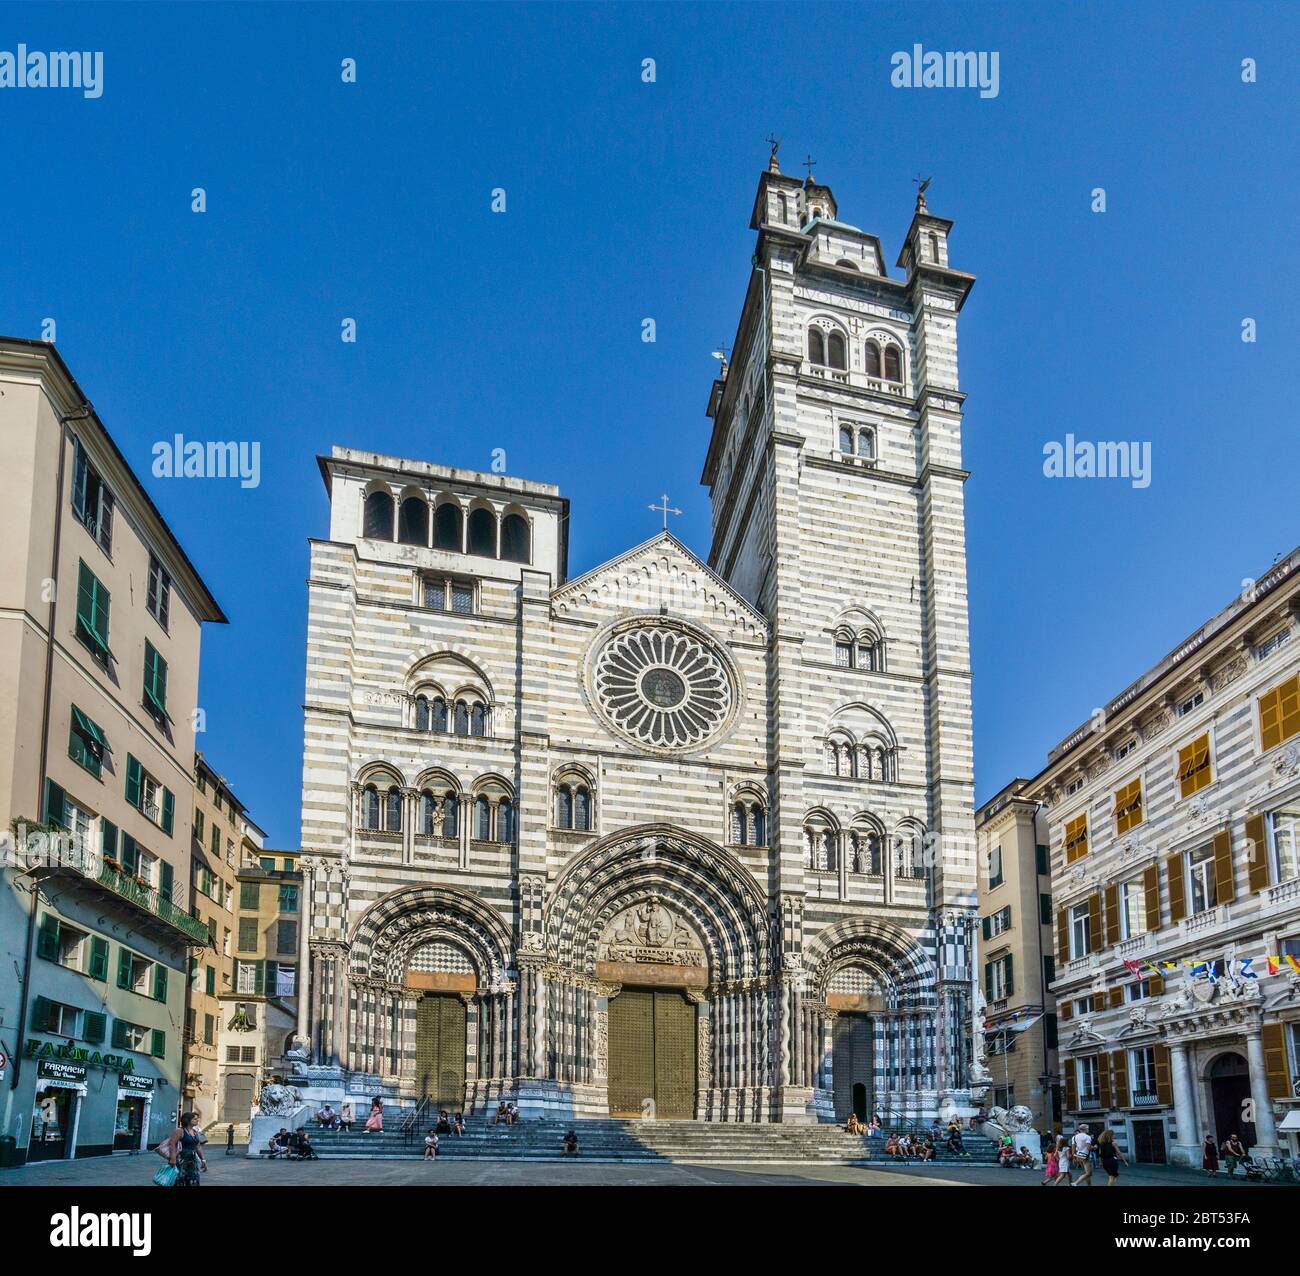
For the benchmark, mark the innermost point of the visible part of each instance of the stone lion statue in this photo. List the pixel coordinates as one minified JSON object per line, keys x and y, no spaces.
{"x":278,"y":1100}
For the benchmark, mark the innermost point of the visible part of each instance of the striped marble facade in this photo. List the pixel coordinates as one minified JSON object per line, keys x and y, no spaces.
{"x":708,"y":841}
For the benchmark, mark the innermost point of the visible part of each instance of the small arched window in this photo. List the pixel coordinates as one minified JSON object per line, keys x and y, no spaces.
{"x":893,"y":364}
{"x":378,"y":524}
{"x":438,"y":715}
{"x":816,"y":346}
{"x":582,"y":811}
{"x":844,"y":261}
{"x":370,"y":808}
{"x":478,"y":719}
{"x":514,"y":538}
{"x":873,"y":360}
{"x":760,"y":826}
{"x":563,"y":808}
{"x":483,"y":819}
{"x":837,"y":352}
{"x":846,"y":440}
{"x":867,"y":444}
{"x":462,"y":718}
{"x":427,"y":808}
{"x":483,"y":533}
{"x":505,"y":820}
{"x":450,"y":809}
{"x":413,"y":522}
{"x":447,"y":524}
{"x":421,"y":714}
{"x":393,"y":810}
{"x":738,"y":825}
{"x":844,"y":651}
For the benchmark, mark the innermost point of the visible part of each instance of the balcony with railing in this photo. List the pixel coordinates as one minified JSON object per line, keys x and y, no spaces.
{"x":84,"y":872}
{"x":1145,"y":1099}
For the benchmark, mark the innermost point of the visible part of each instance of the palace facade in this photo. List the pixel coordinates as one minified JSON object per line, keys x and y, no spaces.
{"x":681,"y":837}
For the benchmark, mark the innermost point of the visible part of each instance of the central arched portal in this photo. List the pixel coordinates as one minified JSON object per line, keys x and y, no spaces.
{"x":652,"y":1054}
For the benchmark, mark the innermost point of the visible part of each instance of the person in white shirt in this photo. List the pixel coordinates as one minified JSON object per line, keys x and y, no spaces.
{"x":1081,"y":1155}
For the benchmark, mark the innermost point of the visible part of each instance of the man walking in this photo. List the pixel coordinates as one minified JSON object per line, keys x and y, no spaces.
{"x":1081,"y":1155}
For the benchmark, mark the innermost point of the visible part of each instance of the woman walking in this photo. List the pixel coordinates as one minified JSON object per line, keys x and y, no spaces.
{"x":375,"y":1121}
{"x":1110,"y":1156}
{"x":1210,"y":1156}
{"x":184,"y":1150}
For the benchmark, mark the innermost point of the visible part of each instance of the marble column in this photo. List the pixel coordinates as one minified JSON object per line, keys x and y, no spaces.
{"x":1187,"y":1147}
{"x":1266,"y":1143}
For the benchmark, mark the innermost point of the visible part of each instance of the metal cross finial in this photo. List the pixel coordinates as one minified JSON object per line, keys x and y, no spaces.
{"x":808,"y":164}
{"x":665,"y":509}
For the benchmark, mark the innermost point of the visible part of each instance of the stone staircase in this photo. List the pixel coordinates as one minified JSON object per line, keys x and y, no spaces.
{"x":697,"y":1142}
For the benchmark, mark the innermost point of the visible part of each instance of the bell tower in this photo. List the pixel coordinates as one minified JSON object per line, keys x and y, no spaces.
{"x":836,"y":481}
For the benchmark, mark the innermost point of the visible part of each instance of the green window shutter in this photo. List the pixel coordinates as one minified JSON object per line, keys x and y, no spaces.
{"x":248,"y":896}
{"x":79,"y":476}
{"x":133,"y":772}
{"x":55,"y":804}
{"x":93,"y":602}
{"x":159,"y":1046}
{"x":47,"y":938}
{"x":109,"y":844}
{"x":159,"y":982}
{"x":986,"y":925}
{"x":166,"y":879}
{"x":123,"y":968}
{"x":41,"y":1014}
{"x":130,"y":853}
{"x":155,"y":679}
{"x":1011,"y":984}
{"x":210,"y":981}
{"x":93,"y":1027}
{"x":119,"y":1035}
{"x":98,"y":968}
{"x":988,"y":981}
{"x":259,"y":980}
{"x":168,"y":811}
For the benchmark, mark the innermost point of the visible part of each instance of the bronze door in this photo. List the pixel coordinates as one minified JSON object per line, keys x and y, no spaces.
{"x":652,"y":1054}
{"x":851,"y":1065}
{"x":440,"y":1050}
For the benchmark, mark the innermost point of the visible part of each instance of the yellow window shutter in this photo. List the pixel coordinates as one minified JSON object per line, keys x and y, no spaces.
{"x":1164,"y":1080}
{"x":1151,"y":889}
{"x":1119,"y":1078}
{"x":1290,"y":707}
{"x":1071,"y":1087}
{"x":1116,"y":996}
{"x":1157,"y":985}
{"x":1275,"y":1062}
{"x":1094,"y":923}
{"x":1103,"y":1080}
{"x":1066,"y":1011}
{"x":1062,"y":937}
{"x":1177,"y":888}
{"x":1194,"y":766}
{"x":1112,"y":914}
{"x":1076,"y":839}
{"x":1225,"y":883}
{"x":1256,"y":852}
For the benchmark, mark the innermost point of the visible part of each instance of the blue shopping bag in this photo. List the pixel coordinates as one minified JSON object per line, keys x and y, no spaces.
{"x":167,"y":1176}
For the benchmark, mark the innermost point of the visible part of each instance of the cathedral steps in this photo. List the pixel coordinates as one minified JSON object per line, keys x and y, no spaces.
{"x":632,"y":1141}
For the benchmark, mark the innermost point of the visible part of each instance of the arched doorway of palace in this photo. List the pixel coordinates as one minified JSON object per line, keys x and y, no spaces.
{"x":1229,"y":1078}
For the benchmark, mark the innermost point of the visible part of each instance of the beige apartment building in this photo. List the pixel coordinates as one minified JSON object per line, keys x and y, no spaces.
{"x":1015,"y":960}
{"x":1174,"y":826}
{"x":221,"y":831}
{"x":100,"y":620}
{"x":259,"y":1012}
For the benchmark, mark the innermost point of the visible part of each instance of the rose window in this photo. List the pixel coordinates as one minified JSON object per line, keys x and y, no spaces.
{"x":663,"y":687}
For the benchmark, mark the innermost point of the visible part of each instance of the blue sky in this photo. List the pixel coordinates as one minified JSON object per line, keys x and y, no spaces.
{"x":625,"y":200}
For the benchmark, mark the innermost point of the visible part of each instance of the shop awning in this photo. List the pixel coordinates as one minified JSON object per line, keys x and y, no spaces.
{"x":1291,"y":1122}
